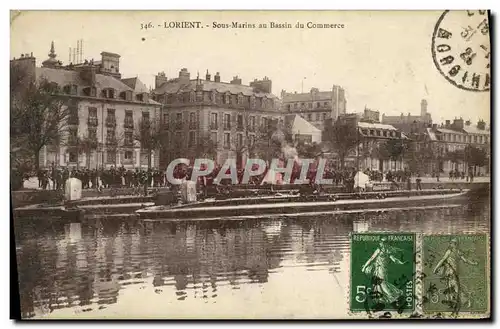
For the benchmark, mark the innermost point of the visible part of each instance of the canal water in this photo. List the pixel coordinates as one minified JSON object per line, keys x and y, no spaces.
{"x":275,"y":268}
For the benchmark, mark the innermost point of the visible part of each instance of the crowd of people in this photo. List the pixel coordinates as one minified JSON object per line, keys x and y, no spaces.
{"x":116,"y":177}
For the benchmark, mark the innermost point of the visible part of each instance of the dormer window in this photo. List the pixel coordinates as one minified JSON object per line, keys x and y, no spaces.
{"x":123,"y":95}
{"x":139,"y":97}
{"x":108,"y":93}
{"x":89,"y":91}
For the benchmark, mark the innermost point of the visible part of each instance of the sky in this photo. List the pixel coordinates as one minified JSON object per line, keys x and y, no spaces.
{"x":381,"y":58}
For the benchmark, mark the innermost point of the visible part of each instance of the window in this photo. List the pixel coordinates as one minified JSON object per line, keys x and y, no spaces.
{"x":288,"y":107}
{"x":192,"y":117}
{"x":325,"y":103}
{"x":302,"y":104}
{"x":129,"y":155}
{"x":110,"y":118}
{"x":318,"y":104}
{"x":239,"y":99}
{"x":73,"y":136}
{"x":139,"y":97}
{"x":227,"y":140}
{"x":252,"y":123}
{"x":372,"y":132}
{"x":129,"y":138}
{"x":213,"y":121}
{"x":213,"y":137}
{"x":296,"y":105}
{"x":310,"y":105}
{"x":110,"y":136}
{"x":111,"y":156}
{"x":145,"y":116}
{"x":165,"y":119}
{"x":73,"y":156}
{"x":227,"y":121}
{"x":385,"y":133}
{"x":239,"y":140}
{"x":178,"y":117}
{"x":265,"y":123}
{"x":378,"y":132}
{"x":252,"y":140}
{"x":92,"y":116}
{"x":192,"y":138}
{"x":309,"y":117}
{"x":92,"y":133}
{"x":129,"y":119}
{"x":240,"y":121}
{"x":475,"y":139}
{"x":318,"y":116}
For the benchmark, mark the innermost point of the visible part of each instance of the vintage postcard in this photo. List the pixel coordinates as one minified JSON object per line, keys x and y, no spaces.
{"x":251,"y":164}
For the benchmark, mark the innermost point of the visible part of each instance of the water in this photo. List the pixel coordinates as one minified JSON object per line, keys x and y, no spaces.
{"x":288,"y":268}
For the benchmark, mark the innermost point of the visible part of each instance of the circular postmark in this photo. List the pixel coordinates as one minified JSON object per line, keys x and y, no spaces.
{"x":461,"y":48}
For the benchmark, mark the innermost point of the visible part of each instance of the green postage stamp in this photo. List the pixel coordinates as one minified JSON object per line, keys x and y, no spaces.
{"x":455,"y":274}
{"x":382,"y":272}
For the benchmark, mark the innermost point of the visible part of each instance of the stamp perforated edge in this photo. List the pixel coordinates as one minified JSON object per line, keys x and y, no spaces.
{"x":388,"y":314}
{"x":463,"y":314}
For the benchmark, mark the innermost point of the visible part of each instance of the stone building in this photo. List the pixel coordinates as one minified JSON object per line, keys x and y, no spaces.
{"x":448,"y":142}
{"x":410,"y":123}
{"x":229,"y":114}
{"x":104,"y":109}
{"x":315,"y":106}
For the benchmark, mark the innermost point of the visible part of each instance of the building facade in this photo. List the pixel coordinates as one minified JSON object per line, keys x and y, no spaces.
{"x":410,"y":123}
{"x":230,"y":115}
{"x":449,"y":142}
{"x":104,"y":113}
{"x":315,"y":106}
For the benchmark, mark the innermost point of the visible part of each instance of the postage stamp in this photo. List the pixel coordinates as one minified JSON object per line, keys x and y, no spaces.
{"x":461,"y":48}
{"x":382,"y":272}
{"x":455,"y":274}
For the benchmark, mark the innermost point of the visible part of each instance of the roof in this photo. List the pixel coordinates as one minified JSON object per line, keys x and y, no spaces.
{"x":375,"y":126}
{"x":174,"y":86}
{"x":431,"y":134}
{"x":475,"y":130}
{"x":299,"y":125}
{"x":450,"y":131}
{"x":307,"y":97}
{"x":136,"y":85}
{"x":68,"y":77}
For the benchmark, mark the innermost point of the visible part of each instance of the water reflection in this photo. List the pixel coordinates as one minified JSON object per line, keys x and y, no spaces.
{"x":274,"y":267}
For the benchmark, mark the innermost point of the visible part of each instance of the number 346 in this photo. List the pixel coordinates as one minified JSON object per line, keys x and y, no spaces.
{"x":361,"y":292}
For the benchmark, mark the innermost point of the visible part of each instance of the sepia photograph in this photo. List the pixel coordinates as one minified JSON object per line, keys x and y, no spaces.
{"x":251,"y":164}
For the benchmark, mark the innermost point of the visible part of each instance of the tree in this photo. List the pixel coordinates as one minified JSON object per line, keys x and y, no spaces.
{"x":85,"y":146}
{"x":150,"y":134}
{"x":343,"y":137}
{"x":475,"y":157}
{"x":394,"y":149}
{"x":309,"y":150}
{"x":38,"y":115}
{"x":456,"y":156}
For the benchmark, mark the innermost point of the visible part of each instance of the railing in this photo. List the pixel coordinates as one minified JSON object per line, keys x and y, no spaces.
{"x":92,"y":121}
{"x":110,"y":122}
{"x":128,"y":124}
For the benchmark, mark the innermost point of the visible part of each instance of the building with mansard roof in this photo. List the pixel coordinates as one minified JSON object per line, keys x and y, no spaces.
{"x":104,"y":108}
{"x":315,"y":106}
{"x":229,"y":114}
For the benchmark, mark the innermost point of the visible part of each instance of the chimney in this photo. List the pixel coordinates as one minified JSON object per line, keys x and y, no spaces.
{"x":236,"y":81}
{"x":467,"y":123}
{"x":26,"y":64}
{"x":434,"y":126}
{"x":264,"y":85}
{"x":184,"y":76}
{"x":458,"y":123}
{"x":481,"y":125}
{"x":423,"y":108}
{"x":160,"y":79}
{"x":447,"y":124}
{"x":207,"y":76}
{"x":217,"y":77}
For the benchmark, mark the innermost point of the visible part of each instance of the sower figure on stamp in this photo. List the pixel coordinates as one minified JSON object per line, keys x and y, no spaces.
{"x":447,"y":268}
{"x":377,"y":268}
